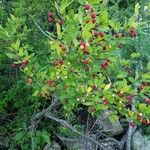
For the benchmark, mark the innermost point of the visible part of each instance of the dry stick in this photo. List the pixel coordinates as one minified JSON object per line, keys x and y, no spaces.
{"x":67,"y":125}
{"x":37,"y":118}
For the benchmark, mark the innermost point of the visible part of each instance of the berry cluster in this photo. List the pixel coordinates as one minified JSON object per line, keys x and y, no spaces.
{"x":29,"y":80}
{"x":23,"y":64}
{"x":51,"y":19}
{"x":141,"y":119}
{"x":105,"y":102}
{"x":104,"y":65}
{"x":129,"y":98}
{"x":93,"y":15}
{"x":62,"y":47}
{"x":143,"y":85}
{"x":84,"y":46}
{"x":13,"y":65}
{"x":58,"y":62}
{"x":132,"y":32}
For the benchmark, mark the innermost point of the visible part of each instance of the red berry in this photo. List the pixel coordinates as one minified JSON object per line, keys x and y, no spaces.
{"x":103,"y":66}
{"x":60,"y":61}
{"x":50,"y":14}
{"x":60,"y":22}
{"x":83,"y":43}
{"x":129,"y":99}
{"x":139,"y":118}
{"x":92,"y":109}
{"x":148,"y":101}
{"x":96,"y":34}
{"x":94,"y":87}
{"x":65,"y":101}
{"x":87,"y":7}
{"x":120,"y":46}
{"x":101,"y":34}
{"x":49,"y":82}
{"x":87,"y":21}
{"x":86,"y":62}
{"x":93,"y":15}
{"x":117,"y":35}
{"x":60,"y":45}
{"x":22,"y":66}
{"x":56,"y":63}
{"x":106,"y":63}
{"x":120,"y":94}
{"x":13,"y":65}
{"x":108,"y":60}
{"x":145,"y":84}
{"x":63,"y":48}
{"x":94,"y":75}
{"x":144,"y":121}
{"x":142,"y":87}
{"x":25,"y":62}
{"x":133,"y":34}
{"x":93,"y":20}
{"x":50,"y":19}
{"x":104,"y":48}
{"x":131,"y":124}
{"x":105,"y":102}
{"x":86,"y":52}
{"x":132,"y":30}
{"x":29,"y":81}
{"x":123,"y":35}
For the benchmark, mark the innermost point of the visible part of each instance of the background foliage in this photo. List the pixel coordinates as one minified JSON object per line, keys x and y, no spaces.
{"x":22,"y":39}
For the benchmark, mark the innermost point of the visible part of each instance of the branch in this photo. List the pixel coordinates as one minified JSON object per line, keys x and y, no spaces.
{"x":49,"y":36}
{"x":36,"y":119}
{"x":67,"y":125}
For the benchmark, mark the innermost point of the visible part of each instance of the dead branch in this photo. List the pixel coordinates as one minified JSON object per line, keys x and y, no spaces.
{"x":67,"y":125}
{"x":36,"y":119}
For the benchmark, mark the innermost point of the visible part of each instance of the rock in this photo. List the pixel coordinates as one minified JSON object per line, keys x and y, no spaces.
{"x":52,"y":146}
{"x":112,"y":129}
{"x":140,"y":142}
{"x":80,"y":143}
{"x":109,"y":145}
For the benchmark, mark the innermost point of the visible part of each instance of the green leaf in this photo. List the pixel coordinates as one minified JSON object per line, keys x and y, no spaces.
{"x":148,"y":66}
{"x":122,"y":75}
{"x":19,"y":136}
{"x":94,"y":1}
{"x":81,"y":2}
{"x":58,"y":29}
{"x":146,"y":76}
{"x":46,"y":137}
{"x":137,"y":7}
{"x":35,"y":93}
{"x":88,"y":103}
{"x":113,"y":118}
{"x":135,"y":55}
{"x":64,"y":4}
{"x":142,"y":107}
{"x":10,"y":55}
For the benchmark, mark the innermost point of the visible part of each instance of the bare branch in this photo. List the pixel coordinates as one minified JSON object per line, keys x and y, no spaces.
{"x":67,"y":125}
{"x":36,"y":119}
